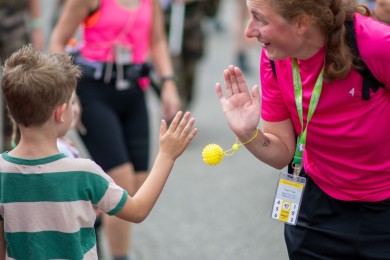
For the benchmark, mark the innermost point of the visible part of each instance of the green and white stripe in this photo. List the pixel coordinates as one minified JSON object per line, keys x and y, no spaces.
{"x":46,"y":205}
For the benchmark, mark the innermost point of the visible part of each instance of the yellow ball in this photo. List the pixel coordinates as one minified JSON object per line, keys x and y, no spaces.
{"x":212,"y":154}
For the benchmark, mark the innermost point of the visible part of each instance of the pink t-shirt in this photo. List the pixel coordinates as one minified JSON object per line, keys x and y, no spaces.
{"x":348,"y":141}
{"x":115,"y":24}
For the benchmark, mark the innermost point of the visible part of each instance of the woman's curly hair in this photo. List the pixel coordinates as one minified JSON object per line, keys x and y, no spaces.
{"x":330,"y":16}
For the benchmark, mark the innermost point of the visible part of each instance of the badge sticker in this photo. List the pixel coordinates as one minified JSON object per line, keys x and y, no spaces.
{"x":288,"y":198}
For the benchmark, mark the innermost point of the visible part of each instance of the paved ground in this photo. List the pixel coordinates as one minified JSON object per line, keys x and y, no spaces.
{"x":212,"y":213}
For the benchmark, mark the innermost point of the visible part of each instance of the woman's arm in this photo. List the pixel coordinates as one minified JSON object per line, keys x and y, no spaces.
{"x":162,"y":62}
{"x":275,"y":145}
{"x":73,"y":14}
{"x":36,"y":24}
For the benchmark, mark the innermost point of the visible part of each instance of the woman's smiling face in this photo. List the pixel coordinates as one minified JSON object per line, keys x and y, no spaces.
{"x":278,"y":36}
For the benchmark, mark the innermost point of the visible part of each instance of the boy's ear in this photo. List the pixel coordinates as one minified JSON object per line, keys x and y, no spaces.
{"x":59,"y":112}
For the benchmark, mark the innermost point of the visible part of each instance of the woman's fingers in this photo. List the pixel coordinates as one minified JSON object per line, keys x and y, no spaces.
{"x":228,"y":84}
{"x":234,"y":83}
{"x":233,"y":80}
{"x":240,"y":80}
{"x":218,"y":89}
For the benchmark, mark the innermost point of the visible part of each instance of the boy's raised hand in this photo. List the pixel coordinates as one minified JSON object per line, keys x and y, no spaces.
{"x":175,"y":139}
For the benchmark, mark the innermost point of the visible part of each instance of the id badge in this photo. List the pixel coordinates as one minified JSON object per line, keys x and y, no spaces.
{"x":123,"y":54}
{"x":288,"y":198}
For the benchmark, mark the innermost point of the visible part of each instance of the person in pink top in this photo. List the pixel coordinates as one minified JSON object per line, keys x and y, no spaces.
{"x":341,"y":157}
{"x":119,"y":38}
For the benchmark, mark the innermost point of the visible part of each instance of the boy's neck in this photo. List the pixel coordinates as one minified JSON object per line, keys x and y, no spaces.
{"x":35,"y":143}
{"x":32,"y":152}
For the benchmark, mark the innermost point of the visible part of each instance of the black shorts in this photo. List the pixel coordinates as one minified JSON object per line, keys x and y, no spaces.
{"x":332,"y":229}
{"x":117,"y":124}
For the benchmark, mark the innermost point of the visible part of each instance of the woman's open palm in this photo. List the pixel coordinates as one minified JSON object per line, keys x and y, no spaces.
{"x":241,"y":108}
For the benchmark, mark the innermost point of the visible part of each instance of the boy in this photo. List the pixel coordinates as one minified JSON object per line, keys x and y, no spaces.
{"x":46,"y":199}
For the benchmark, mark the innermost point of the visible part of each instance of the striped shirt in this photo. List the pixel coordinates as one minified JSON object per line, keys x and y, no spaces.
{"x":47,"y":206}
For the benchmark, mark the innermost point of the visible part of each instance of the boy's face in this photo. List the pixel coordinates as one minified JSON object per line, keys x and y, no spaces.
{"x":76,"y":110}
{"x":72,"y":111}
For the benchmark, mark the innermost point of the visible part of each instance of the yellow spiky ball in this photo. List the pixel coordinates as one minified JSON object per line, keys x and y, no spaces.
{"x":212,"y":154}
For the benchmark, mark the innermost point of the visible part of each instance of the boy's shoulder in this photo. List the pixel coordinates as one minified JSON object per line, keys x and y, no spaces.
{"x":55,"y":163}
{"x":77,"y":165}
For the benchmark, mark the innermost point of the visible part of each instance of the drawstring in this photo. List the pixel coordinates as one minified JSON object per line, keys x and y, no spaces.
{"x":121,"y":83}
{"x":108,"y":72}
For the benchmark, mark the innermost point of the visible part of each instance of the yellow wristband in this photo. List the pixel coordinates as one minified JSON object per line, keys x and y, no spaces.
{"x":253,"y":138}
{"x":236,"y":145}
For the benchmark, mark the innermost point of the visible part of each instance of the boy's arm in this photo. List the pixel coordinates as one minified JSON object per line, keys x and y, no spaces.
{"x":2,"y":241}
{"x":173,"y":142}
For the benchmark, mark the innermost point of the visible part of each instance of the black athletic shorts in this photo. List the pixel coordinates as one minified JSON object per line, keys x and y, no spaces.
{"x":117,"y":124}
{"x":332,"y":229}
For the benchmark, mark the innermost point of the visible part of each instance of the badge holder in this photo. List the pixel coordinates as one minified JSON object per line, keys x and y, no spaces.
{"x":288,"y":198}
{"x":290,"y":188}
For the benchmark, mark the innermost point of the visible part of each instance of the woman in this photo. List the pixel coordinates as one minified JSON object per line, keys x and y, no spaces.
{"x":118,"y":36}
{"x":343,"y":141}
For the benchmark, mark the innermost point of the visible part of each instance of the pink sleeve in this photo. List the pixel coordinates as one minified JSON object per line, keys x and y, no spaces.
{"x":373,"y":39}
{"x":273,"y":105}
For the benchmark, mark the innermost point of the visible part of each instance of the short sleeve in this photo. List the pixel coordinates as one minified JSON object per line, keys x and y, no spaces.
{"x":373,"y":39}
{"x":273,"y":105}
{"x":114,"y":198}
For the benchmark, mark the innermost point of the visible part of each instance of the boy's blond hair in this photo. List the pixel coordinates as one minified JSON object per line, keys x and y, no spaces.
{"x":35,"y":83}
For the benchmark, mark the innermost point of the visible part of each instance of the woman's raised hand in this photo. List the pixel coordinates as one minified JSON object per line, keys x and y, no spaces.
{"x":241,"y":108}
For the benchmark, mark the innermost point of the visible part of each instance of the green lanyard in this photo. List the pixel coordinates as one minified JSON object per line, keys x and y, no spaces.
{"x":315,"y":96}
